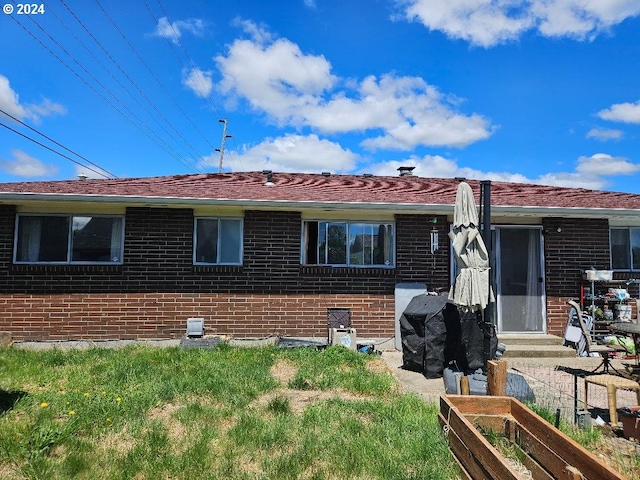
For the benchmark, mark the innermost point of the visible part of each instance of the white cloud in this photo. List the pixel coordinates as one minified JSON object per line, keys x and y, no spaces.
{"x":590,"y":172}
{"x":291,"y":153}
{"x":174,"y":31}
{"x":10,"y":103}
{"x":622,"y":112}
{"x":490,"y":22}
{"x":23,"y":165}
{"x":276,"y":78}
{"x":198,"y":81}
{"x":310,"y":3}
{"x":604,"y":134}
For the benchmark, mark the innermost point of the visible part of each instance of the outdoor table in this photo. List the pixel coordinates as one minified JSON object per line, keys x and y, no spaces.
{"x":628,"y":328}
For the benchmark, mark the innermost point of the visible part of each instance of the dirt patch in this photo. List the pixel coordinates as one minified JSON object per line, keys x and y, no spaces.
{"x":176,"y":431}
{"x":120,"y":442}
{"x":284,"y":371}
{"x":301,"y":399}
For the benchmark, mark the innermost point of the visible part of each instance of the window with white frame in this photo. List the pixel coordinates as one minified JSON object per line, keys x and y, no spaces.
{"x":69,"y":239}
{"x":217,"y":241}
{"x":341,"y":243}
{"x":625,"y":248}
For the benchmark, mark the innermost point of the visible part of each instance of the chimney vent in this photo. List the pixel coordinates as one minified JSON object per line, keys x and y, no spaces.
{"x":326,"y":174}
{"x":269,"y":175}
{"x":405,"y":171}
{"x":367,"y":175}
{"x":82,"y":176}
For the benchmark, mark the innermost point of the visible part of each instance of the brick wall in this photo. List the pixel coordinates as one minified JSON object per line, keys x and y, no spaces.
{"x":157,"y":288}
{"x":581,"y":244}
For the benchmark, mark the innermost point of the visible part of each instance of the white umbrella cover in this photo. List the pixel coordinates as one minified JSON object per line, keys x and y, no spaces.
{"x":471,"y":289}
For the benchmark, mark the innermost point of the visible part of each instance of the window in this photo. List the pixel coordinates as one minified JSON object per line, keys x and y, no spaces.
{"x":356,"y":244}
{"x":218,"y":241}
{"x":625,"y":248}
{"x":69,"y":239}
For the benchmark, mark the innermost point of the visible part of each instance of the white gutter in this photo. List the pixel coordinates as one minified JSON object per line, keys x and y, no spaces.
{"x":438,"y":209}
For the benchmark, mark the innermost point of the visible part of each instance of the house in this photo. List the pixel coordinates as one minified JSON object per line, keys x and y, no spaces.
{"x":261,"y":253}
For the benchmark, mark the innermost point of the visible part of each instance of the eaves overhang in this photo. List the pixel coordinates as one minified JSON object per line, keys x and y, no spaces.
{"x":21,"y":198}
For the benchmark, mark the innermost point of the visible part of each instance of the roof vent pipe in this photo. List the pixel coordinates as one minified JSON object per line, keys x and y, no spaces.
{"x":82,"y":176}
{"x":404,"y":171}
{"x":269,"y":175}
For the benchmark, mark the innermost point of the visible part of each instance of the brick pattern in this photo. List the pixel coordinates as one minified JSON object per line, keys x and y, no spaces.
{"x":158,"y":287}
{"x":164,"y":315}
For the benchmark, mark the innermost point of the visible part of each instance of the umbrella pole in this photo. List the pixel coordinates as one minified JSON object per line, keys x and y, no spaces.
{"x":487,"y":317}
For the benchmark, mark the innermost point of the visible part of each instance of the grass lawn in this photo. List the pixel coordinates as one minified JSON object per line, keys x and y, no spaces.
{"x":223,"y":413}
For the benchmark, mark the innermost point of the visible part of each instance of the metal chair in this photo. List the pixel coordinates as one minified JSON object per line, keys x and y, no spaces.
{"x":592,"y":346}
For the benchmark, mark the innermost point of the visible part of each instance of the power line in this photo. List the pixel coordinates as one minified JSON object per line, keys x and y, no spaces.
{"x":152,"y":74}
{"x":193,"y":65}
{"x":140,"y":91}
{"x":99,"y":94}
{"x":52,"y":150}
{"x":57,"y":143}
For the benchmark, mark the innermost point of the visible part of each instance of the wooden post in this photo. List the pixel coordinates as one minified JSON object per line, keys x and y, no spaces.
{"x":497,"y":378}
{"x":464,"y":385}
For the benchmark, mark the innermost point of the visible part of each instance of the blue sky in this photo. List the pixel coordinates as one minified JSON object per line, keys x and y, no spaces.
{"x":543,"y":91}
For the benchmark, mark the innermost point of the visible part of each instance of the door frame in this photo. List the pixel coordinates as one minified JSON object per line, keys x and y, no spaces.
{"x":496,"y":263}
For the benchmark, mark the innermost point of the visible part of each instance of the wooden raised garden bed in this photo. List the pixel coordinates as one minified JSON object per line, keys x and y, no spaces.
{"x":542,"y":449}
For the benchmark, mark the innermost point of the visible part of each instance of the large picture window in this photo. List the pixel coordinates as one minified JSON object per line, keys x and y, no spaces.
{"x":625,"y":248}
{"x":69,"y":239}
{"x":218,"y":241}
{"x":356,"y":244}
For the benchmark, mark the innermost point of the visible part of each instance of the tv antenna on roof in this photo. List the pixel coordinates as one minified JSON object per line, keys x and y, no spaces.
{"x":224,"y":140}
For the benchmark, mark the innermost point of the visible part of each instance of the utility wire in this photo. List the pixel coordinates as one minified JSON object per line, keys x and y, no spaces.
{"x":57,"y":143}
{"x":193,"y":65}
{"x":206,"y":139}
{"x":207,"y":100}
{"x":52,"y":150}
{"x":140,"y":91}
{"x":177,"y":157}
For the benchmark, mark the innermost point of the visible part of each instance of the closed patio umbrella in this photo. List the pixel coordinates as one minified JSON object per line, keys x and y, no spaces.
{"x":471,"y":290}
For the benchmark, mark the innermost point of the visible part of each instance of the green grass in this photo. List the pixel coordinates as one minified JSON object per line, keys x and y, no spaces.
{"x":154,"y":413}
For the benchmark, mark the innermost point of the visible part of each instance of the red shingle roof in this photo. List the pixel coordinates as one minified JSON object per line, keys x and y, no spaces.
{"x":302,"y":187}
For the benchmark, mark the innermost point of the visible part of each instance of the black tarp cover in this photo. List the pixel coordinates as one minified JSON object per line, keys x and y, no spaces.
{"x":435,"y":335}
{"x":428,"y":326}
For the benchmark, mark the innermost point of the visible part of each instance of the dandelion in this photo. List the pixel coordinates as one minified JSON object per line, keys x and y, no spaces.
{"x":86,"y":394}
{"x":118,"y":399}
{"x":108,"y":420}
{"x":68,"y":403}
{"x":44,"y":404}
{"x":103,"y":392}
{"x":72,"y":412}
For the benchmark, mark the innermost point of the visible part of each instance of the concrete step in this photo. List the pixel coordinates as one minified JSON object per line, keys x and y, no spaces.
{"x":510,"y":339}
{"x":538,"y":351}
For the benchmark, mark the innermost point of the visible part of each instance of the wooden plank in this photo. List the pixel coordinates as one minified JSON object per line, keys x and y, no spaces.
{"x":497,"y":423}
{"x":464,"y":385}
{"x":480,"y":404}
{"x":497,"y":378}
{"x":537,"y":471}
{"x":491,"y":460}
{"x":465,"y":458}
{"x":574,"y":474}
{"x":563,"y":447}
{"x":541,"y":452}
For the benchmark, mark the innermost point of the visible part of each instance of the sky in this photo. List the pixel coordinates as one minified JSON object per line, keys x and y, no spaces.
{"x":538,"y":91}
